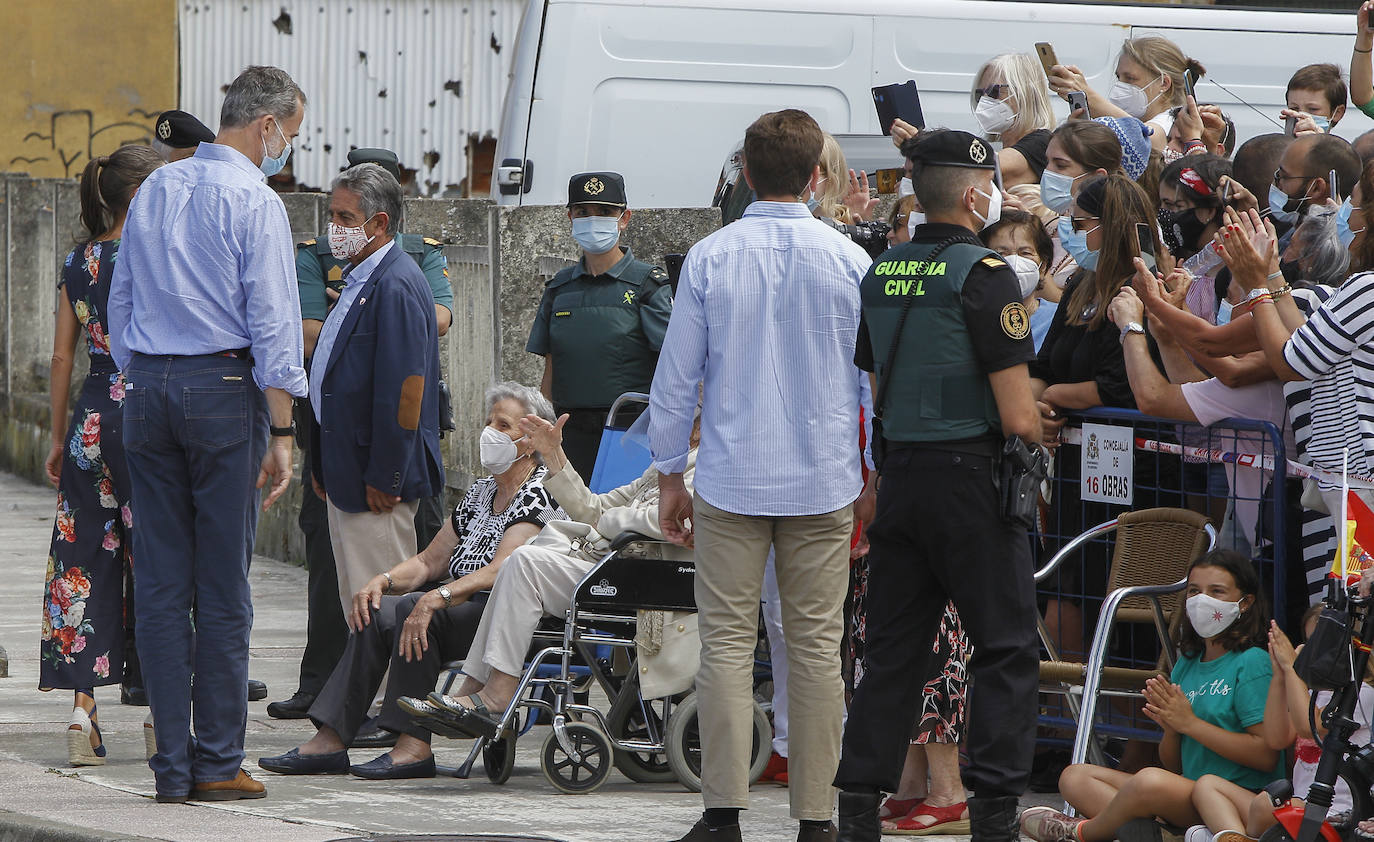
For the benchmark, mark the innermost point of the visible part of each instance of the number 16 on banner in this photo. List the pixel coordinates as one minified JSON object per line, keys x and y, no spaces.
{"x":1108,"y":462}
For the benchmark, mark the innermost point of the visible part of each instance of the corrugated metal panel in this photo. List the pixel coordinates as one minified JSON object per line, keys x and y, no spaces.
{"x":415,"y":76}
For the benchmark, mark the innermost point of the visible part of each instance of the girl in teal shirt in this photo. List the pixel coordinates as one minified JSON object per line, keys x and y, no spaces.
{"x":1211,"y":711}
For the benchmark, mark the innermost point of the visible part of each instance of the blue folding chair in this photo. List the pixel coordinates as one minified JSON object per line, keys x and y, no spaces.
{"x":618,"y":461}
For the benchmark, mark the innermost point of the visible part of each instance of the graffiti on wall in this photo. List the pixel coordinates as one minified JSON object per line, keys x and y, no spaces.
{"x":73,"y":137}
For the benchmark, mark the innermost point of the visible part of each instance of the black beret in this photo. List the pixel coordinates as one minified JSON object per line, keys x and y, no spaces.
{"x":597,"y":188}
{"x":384,"y":158}
{"x":180,"y":130}
{"x":951,"y":148}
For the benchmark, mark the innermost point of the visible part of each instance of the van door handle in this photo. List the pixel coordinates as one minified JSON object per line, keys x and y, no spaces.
{"x":514,"y":176}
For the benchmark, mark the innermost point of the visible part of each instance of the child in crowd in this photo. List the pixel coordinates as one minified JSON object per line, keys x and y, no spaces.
{"x":1211,"y":710}
{"x":1235,"y":813}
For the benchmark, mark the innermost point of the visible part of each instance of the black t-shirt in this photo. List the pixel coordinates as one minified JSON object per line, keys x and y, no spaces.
{"x":988,"y":294}
{"x":1033,"y":147}
{"x":1076,"y":354}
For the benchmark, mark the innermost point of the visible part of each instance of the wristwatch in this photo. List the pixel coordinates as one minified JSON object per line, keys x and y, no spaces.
{"x":447,"y":595}
{"x":289,"y":430}
{"x":1132,"y":327}
{"x":1256,"y":293}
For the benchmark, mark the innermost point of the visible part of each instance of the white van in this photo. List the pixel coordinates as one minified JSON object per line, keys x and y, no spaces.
{"x":662,"y":91}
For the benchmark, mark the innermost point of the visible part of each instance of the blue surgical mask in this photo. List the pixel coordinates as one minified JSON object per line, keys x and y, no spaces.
{"x":1224,"y":312}
{"x":1323,"y":123}
{"x":813,"y":203}
{"x":271,"y":166}
{"x":596,"y":234}
{"x":1056,"y":191}
{"x":1278,"y":201}
{"x":1076,"y":244}
{"x":1343,"y":231}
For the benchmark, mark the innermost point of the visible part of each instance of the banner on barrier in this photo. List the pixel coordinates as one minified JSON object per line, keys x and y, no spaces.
{"x":1108,"y":463}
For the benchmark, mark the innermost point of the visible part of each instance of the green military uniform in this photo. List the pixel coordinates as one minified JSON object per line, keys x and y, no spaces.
{"x":939,"y":534}
{"x":603,"y":334}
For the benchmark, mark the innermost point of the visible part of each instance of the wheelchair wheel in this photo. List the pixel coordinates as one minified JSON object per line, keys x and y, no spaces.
{"x":577,"y":776}
{"x":626,"y":721}
{"x":498,"y":758}
{"x":684,"y":743}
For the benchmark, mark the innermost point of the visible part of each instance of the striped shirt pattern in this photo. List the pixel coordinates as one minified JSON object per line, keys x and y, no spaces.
{"x":766,"y":314}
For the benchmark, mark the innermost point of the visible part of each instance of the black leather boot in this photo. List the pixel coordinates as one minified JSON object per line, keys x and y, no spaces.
{"x":859,"y":817}
{"x":993,"y":819}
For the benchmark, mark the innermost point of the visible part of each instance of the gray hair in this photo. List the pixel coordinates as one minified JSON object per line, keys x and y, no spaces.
{"x":530,"y":398}
{"x":1321,"y":257}
{"x":377,"y":191}
{"x":257,"y":91}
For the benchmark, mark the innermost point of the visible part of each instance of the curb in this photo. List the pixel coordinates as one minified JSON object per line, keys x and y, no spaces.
{"x":16,"y":827}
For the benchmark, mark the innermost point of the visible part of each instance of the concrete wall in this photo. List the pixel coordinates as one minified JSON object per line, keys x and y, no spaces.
{"x":82,"y":78}
{"x":499,"y":260}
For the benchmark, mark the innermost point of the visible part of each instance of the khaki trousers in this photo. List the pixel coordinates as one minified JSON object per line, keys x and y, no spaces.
{"x":812,"y":565}
{"x":532,"y":582}
{"x":368,"y":544}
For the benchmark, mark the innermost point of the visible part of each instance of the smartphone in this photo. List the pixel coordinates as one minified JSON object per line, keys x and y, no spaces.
{"x":898,"y":100}
{"x":1047,"y":56}
{"x":1333,"y":186}
{"x":1145,"y":239}
{"x":1190,"y":83}
{"x":1290,"y":126}
{"x":1226,"y":192}
{"x":1077,"y":100}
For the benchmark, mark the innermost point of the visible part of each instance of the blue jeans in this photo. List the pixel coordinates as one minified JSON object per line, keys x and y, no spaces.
{"x":195,"y":429}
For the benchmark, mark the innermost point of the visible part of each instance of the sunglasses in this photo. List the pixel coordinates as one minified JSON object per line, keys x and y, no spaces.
{"x":994,"y":91}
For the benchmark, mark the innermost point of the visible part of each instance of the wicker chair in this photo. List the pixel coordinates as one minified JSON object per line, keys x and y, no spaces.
{"x":1149,"y":564}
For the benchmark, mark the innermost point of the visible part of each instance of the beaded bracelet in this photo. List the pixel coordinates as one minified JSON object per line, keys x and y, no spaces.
{"x":1195,"y":143}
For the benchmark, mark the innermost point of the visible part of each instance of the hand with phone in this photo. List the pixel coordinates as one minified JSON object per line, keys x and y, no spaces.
{"x":1066,"y":78}
{"x":1189,"y":121}
{"x":902,"y":131}
{"x":1298,"y":123}
{"x":1213,"y":127}
{"x":1145,"y":245}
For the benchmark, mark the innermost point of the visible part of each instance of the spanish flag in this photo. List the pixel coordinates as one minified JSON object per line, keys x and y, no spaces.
{"x":1359,"y":534}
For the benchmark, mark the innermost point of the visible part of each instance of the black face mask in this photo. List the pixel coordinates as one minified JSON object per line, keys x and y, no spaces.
{"x":1291,"y":271}
{"x":1181,"y":230}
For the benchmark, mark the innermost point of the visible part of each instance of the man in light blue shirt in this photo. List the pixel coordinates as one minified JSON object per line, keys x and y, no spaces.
{"x":204,"y":322}
{"x":765,"y":318}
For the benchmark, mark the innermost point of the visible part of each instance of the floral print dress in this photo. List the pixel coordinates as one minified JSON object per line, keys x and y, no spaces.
{"x":84,"y":599}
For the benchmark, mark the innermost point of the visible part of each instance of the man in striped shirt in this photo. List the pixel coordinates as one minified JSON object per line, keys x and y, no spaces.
{"x":765,"y":319}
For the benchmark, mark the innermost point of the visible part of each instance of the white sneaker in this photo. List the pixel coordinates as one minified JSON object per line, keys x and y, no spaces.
{"x":1197,"y":833}
{"x":1046,"y":824}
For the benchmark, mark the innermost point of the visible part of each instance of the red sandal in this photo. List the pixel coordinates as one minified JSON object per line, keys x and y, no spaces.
{"x":951,"y":820}
{"x":897,"y":808}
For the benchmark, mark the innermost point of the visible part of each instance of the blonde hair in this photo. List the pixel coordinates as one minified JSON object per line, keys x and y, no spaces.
{"x":835,"y":171}
{"x":1158,"y":55}
{"x":1023,"y":73}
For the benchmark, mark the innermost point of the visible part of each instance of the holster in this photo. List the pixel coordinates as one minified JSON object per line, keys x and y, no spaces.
{"x":1021,"y":469}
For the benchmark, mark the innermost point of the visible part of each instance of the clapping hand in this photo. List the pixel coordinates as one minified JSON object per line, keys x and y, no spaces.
{"x":1248,"y":246}
{"x":1281,"y":652}
{"x":1167,"y":706}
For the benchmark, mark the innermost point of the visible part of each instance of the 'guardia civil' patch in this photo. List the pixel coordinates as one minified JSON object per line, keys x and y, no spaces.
{"x":1015,"y":321}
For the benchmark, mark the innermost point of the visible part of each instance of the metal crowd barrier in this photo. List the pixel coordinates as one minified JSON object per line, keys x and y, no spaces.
{"x":1215,"y":470}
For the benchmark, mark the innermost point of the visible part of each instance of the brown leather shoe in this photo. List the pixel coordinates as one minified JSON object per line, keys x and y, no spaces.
{"x":242,"y":786}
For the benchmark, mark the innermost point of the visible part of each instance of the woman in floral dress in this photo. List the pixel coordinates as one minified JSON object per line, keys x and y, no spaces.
{"x":83,"y":642}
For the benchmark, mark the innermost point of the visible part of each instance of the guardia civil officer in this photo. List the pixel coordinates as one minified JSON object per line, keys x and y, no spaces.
{"x":319,"y":278}
{"x":176,"y":135}
{"x":947,"y":338}
{"x":601,"y":322}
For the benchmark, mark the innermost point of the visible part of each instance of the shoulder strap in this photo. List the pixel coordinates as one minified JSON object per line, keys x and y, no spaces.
{"x":649,"y":284}
{"x":880,"y":398}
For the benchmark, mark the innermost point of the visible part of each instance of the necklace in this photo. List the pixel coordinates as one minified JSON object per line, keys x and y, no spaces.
{"x":533,"y":467}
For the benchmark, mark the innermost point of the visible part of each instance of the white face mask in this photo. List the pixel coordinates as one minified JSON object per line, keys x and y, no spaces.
{"x":905,"y":188}
{"x":994,"y":206}
{"x":1211,"y":616}
{"x":345,"y":243}
{"x":1131,"y":99}
{"x":498,"y":450}
{"x":994,"y":115}
{"x":1027,"y":272}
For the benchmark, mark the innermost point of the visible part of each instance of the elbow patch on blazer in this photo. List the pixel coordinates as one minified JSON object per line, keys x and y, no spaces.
{"x":412,"y":395}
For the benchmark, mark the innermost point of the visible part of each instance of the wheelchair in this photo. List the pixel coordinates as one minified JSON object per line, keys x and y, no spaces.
{"x":648,"y":740}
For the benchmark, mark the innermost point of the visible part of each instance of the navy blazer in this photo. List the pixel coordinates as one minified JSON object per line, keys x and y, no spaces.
{"x":380,"y":394}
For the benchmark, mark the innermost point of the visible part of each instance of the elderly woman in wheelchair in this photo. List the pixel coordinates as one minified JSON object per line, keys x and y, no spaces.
{"x":409,"y":636}
{"x":539,"y":579}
